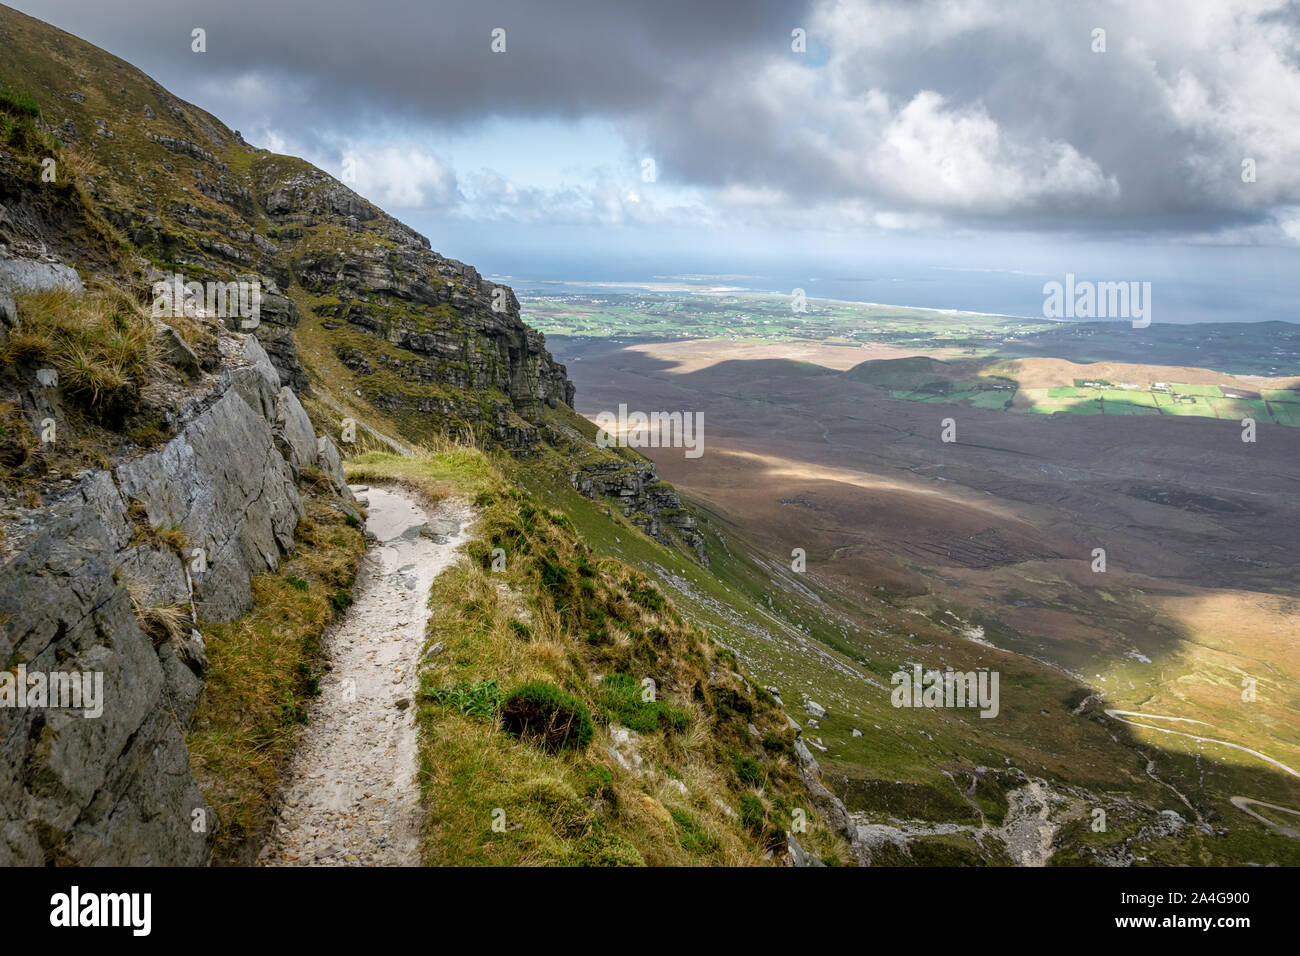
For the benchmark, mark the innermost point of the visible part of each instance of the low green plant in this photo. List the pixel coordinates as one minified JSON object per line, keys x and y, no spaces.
{"x":749,"y":770}
{"x":541,"y":712}
{"x":621,"y":696}
{"x":12,"y":101}
{"x":480,"y":699}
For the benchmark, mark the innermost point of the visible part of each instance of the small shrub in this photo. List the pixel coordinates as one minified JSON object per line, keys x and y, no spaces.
{"x":298,"y":583}
{"x":554,"y":577}
{"x":752,"y":814}
{"x":730,"y":702}
{"x":341,"y":600}
{"x":775,"y":743}
{"x":749,"y":770}
{"x":542,"y":712}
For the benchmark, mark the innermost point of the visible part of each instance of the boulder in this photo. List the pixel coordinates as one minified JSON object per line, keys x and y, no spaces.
{"x":28,"y":275}
{"x":814,"y":709}
{"x":440,"y":530}
{"x":176,"y":352}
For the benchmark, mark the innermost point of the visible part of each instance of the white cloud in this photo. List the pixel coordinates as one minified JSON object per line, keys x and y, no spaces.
{"x":969,"y":111}
{"x":399,"y":176}
{"x":600,"y":199}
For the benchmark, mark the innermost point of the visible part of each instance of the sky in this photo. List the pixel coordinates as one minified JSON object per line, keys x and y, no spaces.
{"x":1011,"y":137}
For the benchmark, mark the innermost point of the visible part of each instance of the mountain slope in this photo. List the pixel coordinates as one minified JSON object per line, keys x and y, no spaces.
{"x":364,"y":321}
{"x":417,"y":333}
{"x":354,"y":306}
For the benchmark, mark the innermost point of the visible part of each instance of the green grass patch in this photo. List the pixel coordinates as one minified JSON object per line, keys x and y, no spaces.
{"x":623,"y":700}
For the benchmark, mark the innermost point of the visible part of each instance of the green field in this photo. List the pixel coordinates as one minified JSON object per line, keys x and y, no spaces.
{"x":1205,"y":402}
{"x":771,"y":318}
{"x":980,"y":340}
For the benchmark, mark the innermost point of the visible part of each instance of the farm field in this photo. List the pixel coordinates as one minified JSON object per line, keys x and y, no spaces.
{"x":1266,"y":349}
{"x":972,"y":360}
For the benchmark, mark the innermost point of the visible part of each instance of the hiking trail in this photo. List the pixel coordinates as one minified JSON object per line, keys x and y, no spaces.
{"x":350,"y":795}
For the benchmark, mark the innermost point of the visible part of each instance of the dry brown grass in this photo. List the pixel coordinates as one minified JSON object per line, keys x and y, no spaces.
{"x":679,"y":805}
{"x":102,"y":344}
{"x":161,"y":622}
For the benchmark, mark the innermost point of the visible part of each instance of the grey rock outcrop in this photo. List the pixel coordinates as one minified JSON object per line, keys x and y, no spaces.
{"x":28,"y":275}
{"x":294,"y":435}
{"x":77,"y":789}
{"x":330,"y":461}
{"x":226,"y":486}
{"x":831,"y":806}
{"x":116,"y":789}
{"x":798,"y":856}
{"x":649,"y":502}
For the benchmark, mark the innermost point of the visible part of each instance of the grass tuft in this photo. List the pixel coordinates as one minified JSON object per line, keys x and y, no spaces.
{"x":102,"y":344}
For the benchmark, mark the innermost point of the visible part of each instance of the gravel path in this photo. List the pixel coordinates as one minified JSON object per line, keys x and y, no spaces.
{"x":350,"y":795}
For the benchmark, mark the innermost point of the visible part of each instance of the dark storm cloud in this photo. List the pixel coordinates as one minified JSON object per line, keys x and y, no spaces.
{"x":565,"y":58}
{"x":982,"y":113}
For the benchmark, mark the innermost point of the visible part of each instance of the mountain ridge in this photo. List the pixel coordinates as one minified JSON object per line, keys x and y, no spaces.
{"x":194,"y":198}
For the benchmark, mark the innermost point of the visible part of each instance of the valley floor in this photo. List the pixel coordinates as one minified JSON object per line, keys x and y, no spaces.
{"x":947,"y":552}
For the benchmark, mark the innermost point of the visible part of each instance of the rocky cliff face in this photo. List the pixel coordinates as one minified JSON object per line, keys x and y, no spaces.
{"x":638,"y":493}
{"x":80,"y":575}
{"x":102,"y":569}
